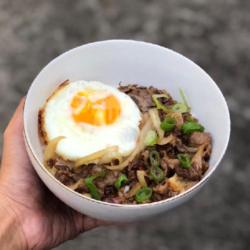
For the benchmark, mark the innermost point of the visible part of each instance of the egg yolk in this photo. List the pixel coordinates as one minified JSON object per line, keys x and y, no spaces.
{"x":95,"y":111}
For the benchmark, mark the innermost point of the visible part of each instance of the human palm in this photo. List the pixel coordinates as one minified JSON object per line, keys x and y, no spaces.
{"x":44,"y":220}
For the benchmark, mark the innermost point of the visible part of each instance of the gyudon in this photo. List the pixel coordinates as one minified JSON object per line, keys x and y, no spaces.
{"x":129,"y":145}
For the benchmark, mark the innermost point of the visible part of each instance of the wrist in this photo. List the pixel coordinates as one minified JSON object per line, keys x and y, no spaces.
{"x":11,"y":233}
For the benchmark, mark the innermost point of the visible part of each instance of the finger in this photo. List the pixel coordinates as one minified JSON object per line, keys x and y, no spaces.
{"x":90,"y":223}
{"x":85,"y":223}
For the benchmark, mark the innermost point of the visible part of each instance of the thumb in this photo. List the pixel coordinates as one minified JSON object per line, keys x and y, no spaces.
{"x":14,"y":153}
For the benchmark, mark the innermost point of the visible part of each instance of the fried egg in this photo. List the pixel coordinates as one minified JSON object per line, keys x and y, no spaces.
{"x":91,"y":116}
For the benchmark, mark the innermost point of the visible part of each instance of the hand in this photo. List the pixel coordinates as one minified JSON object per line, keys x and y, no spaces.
{"x":42,"y":220}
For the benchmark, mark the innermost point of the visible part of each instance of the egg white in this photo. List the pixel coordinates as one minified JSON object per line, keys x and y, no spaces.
{"x":82,"y":139}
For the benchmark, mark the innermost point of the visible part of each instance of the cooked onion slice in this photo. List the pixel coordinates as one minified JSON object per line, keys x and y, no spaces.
{"x":52,"y":170}
{"x":115,"y":155}
{"x":87,"y":195}
{"x":95,"y":156}
{"x":178,"y":184}
{"x":50,"y":149}
{"x":141,"y":177}
{"x":154,"y":116}
{"x":76,"y":185}
{"x":178,"y":118}
{"x":139,"y":147}
{"x":197,"y":158}
{"x":166,"y":140}
{"x":133,"y":190}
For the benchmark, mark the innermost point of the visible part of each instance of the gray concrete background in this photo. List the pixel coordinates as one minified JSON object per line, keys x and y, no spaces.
{"x":213,"y":33}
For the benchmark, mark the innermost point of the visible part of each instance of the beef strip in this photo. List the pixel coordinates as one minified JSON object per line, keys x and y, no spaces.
{"x":83,"y":171}
{"x":161,"y":188}
{"x":110,"y":177}
{"x":168,"y":149}
{"x":183,"y":148}
{"x":199,"y":162}
{"x":193,"y":173}
{"x":116,"y":200}
{"x":199,"y":138}
{"x":81,"y":189}
{"x":60,"y":166}
{"x":110,"y":190}
{"x":137,"y":164}
{"x":106,"y":184}
{"x":143,"y":96}
{"x":207,"y":152}
{"x":65,"y":177}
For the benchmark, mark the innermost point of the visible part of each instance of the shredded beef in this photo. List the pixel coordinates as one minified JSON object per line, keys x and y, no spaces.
{"x":169,"y":149}
{"x":156,"y":197}
{"x":60,"y":166}
{"x":81,"y":189}
{"x":143,"y":96}
{"x":116,"y":200}
{"x":168,"y":165}
{"x":111,"y":177}
{"x":207,"y":152}
{"x":65,"y":177}
{"x":109,"y":190}
{"x":199,"y":138}
{"x":161,"y":188}
{"x":193,"y":173}
{"x":51,"y":163}
{"x":139,"y":163}
{"x":85,"y":171}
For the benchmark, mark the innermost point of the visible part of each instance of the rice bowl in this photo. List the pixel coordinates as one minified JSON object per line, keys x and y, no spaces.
{"x":148,"y":64}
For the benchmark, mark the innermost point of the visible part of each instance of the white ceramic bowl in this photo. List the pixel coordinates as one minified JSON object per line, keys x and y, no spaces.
{"x":128,"y":61}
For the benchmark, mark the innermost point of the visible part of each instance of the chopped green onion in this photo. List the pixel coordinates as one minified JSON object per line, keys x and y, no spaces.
{"x":168,"y":124}
{"x":180,"y":107}
{"x":92,"y":188}
{"x":154,"y":158}
{"x":184,"y":99}
{"x":156,"y":174}
{"x":122,"y":179}
{"x":185,"y":160}
{"x":158,"y":103}
{"x":190,"y":119}
{"x":144,"y":194}
{"x":151,"y":138}
{"x":190,"y":127}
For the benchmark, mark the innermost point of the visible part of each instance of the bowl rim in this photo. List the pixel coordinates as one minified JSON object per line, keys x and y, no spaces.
{"x":168,"y":200}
